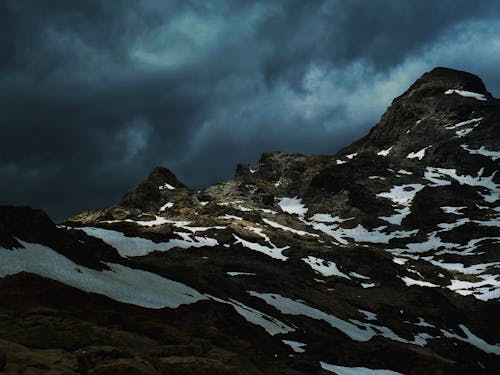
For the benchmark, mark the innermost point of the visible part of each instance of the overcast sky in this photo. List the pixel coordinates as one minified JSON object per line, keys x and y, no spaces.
{"x":94,"y":94}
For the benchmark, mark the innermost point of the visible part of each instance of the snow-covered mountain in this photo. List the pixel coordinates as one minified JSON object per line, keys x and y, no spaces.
{"x":381,"y":259}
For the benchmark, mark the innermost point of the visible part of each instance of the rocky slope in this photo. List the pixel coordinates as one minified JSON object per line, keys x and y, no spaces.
{"x":384,"y":256}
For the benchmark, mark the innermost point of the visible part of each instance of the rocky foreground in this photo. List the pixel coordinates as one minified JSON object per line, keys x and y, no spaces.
{"x":382,"y":257}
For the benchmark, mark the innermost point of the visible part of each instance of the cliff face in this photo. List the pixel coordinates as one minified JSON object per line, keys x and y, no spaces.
{"x":383,"y":256}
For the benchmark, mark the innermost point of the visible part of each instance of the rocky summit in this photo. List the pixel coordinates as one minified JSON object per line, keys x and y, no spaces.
{"x":381,"y":259}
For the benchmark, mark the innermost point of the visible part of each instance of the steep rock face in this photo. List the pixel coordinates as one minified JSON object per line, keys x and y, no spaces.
{"x":149,"y":192}
{"x":383,"y":256}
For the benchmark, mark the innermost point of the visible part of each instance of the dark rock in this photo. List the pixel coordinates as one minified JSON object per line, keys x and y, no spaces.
{"x":369,"y":258}
{"x":149,"y":192}
{"x":268,"y":200}
{"x":3,"y":361}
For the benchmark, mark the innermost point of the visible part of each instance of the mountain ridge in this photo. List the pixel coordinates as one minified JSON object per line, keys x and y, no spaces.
{"x":382,"y":256}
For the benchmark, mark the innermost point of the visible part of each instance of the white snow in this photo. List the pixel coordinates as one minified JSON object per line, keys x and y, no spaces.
{"x":474,"y":269}
{"x":230,"y":217}
{"x":296,"y":346}
{"x":401,"y":195}
{"x":403,"y":171}
{"x":166,"y":206}
{"x":368,"y":285}
{"x":467,"y":94}
{"x":324,"y":267}
{"x":409,"y":282}
{"x":488,"y":288}
{"x":399,"y":261}
{"x":419,"y":154}
{"x":272,"y":325}
{"x":360,"y":233}
{"x":493,"y":155}
{"x":273,"y":252}
{"x":120,"y":283}
{"x":327,"y":218}
{"x":453,"y":210}
{"x":166,"y":186}
{"x":158,"y":220}
{"x":138,"y":246}
{"x":368,"y":314}
{"x":463,"y":123}
{"x":232,"y":273}
{"x":436,"y":175}
{"x":292,"y":206}
{"x":343,"y":370}
{"x":351,"y":156}
{"x":288,"y":229}
{"x":433,"y":242}
{"x":423,"y":323}
{"x":291,"y":307}
{"x":244,"y":209}
{"x":384,"y":152}
{"x":260,"y":232}
{"x":357,"y":275}
{"x":397,"y":218}
{"x":463,"y":132}
{"x":185,"y":225}
{"x":473,"y":340}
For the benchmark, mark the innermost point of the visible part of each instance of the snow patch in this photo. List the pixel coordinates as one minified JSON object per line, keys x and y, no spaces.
{"x":273,"y":252}
{"x":138,"y":246}
{"x":385,"y":152}
{"x":123,"y":284}
{"x":231,"y":273}
{"x":324,"y":267}
{"x":436,"y":175}
{"x":296,"y":346}
{"x":166,"y":186}
{"x":401,"y":195}
{"x":463,"y":123}
{"x":343,"y":370}
{"x":272,"y":325}
{"x":453,"y":210}
{"x":327,"y":218}
{"x":409,"y":282}
{"x":473,"y":340}
{"x":291,"y":307}
{"x":166,"y":206}
{"x":419,"y":154}
{"x":493,"y":155}
{"x":467,"y":94}
{"x":288,"y":229}
{"x":230,"y":217}
{"x":292,"y":206}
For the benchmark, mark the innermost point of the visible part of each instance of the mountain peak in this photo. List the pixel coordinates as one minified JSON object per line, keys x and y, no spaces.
{"x":426,"y":113}
{"x":439,"y":80}
{"x":384,"y":257}
{"x":161,"y":176}
{"x":148,"y":193}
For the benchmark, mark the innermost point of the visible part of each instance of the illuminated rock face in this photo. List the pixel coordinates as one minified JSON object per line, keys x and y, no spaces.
{"x":381,"y":257}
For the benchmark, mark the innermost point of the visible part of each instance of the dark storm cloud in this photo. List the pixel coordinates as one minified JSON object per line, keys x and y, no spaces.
{"x":94,"y":94}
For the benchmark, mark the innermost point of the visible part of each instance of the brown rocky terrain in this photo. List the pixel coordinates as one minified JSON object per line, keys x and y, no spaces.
{"x":383,"y":257}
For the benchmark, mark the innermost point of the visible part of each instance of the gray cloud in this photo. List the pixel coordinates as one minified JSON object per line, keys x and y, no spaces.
{"x":94,"y":94}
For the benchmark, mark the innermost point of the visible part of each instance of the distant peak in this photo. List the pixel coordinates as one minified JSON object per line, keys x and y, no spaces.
{"x":440,"y":79}
{"x":148,"y":193}
{"x":161,"y":175}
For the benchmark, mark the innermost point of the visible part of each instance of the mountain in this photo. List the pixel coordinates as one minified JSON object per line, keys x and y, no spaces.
{"x":383,"y":257}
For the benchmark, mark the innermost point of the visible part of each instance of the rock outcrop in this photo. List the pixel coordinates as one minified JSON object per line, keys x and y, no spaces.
{"x":383,"y":256}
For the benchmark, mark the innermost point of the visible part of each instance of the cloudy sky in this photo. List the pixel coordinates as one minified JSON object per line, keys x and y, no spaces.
{"x":94,"y":94}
